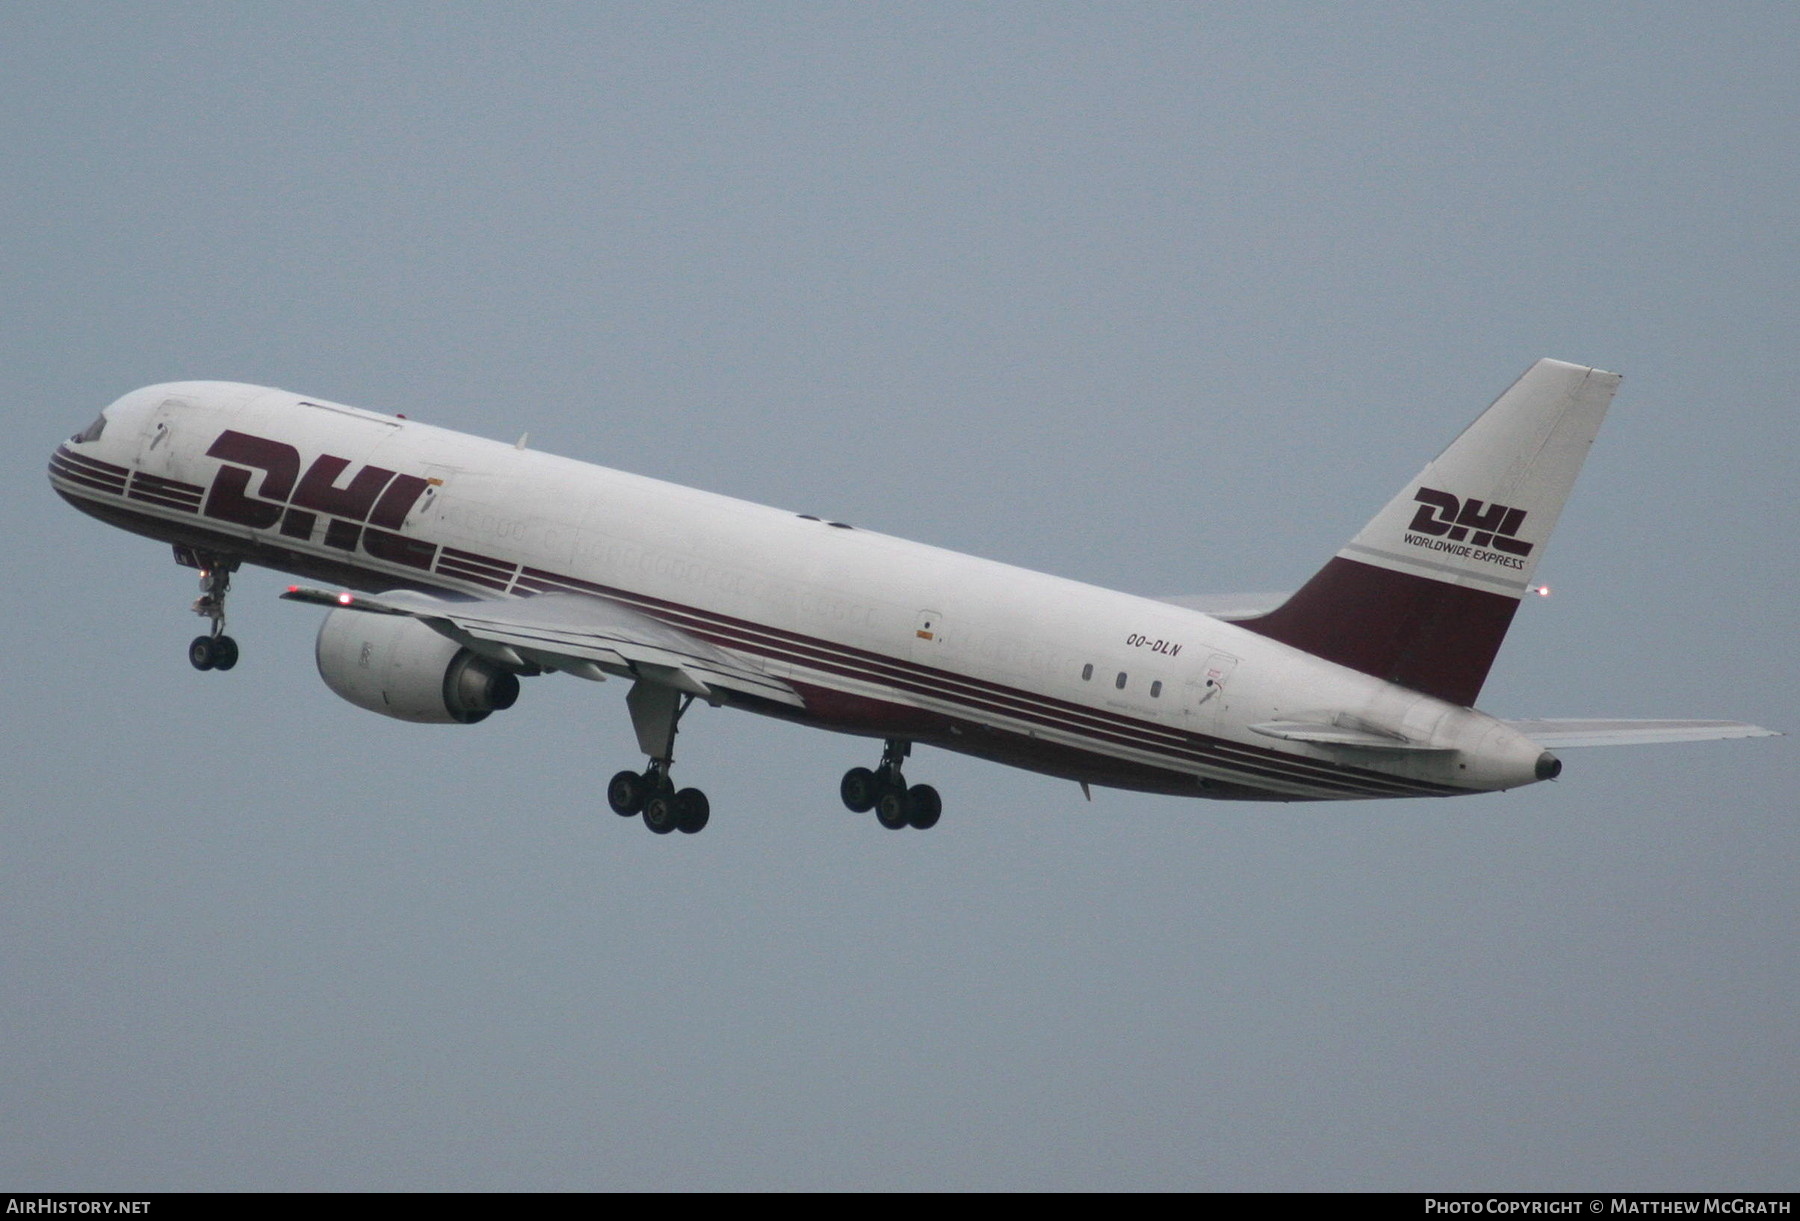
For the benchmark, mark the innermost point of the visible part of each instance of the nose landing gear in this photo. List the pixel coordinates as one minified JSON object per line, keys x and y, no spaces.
{"x":215,"y":650}
{"x":885,"y":791}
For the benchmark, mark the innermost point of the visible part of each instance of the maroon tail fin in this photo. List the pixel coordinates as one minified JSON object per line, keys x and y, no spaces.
{"x":1424,"y":594}
{"x":1421,"y":633}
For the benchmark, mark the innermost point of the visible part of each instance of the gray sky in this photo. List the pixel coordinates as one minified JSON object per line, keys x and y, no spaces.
{"x":1166,"y":298}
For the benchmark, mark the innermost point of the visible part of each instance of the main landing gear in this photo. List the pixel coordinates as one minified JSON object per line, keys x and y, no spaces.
{"x":652,"y":794}
{"x":655,"y":712}
{"x":885,"y":791}
{"x":215,"y":650}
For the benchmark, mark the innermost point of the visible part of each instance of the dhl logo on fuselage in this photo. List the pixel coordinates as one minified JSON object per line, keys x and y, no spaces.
{"x":368,"y":510}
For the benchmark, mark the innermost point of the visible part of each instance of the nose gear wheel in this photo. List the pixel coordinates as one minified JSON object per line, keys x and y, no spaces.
{"x":215,"y":650}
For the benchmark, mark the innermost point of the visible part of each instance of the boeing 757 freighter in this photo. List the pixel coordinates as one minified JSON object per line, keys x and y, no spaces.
{"x":458,"y":566}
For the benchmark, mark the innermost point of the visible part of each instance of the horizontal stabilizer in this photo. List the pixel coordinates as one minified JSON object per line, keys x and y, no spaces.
{"x":1227,"y":606}
{"x":1334,"y":733}
{"x":575,"y":632}
{"x":1561,"y":733}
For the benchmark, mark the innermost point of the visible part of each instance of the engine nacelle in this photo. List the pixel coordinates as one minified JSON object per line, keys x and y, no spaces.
{"x":399,"y":667}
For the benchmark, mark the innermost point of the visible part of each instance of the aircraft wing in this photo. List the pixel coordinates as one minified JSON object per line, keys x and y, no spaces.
{"x":583,"y":635}
{"x":1560,"y":733}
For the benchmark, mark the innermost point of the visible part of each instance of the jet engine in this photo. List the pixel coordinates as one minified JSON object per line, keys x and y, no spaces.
{"x":399,"y":667}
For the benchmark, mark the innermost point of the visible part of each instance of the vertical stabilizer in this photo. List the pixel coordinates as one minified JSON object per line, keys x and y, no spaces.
{"x":1423,"y":595}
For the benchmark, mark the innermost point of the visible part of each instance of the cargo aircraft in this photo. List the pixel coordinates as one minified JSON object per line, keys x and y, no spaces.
{"x":458,"y":566}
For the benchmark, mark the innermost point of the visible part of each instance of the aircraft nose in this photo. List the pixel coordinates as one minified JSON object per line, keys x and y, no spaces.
{"x":77,"y":472}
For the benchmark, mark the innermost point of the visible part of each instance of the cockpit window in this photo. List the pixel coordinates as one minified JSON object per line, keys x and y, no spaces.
{"x":92,"y":431}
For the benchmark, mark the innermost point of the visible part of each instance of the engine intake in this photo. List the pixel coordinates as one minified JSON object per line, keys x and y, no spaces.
{"x":401,"y":668}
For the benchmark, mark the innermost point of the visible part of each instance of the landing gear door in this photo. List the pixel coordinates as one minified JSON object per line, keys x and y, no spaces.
{"x":1207,"y":690}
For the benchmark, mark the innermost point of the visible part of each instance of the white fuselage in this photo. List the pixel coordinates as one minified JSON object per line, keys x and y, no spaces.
{"x":880,"y":636}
